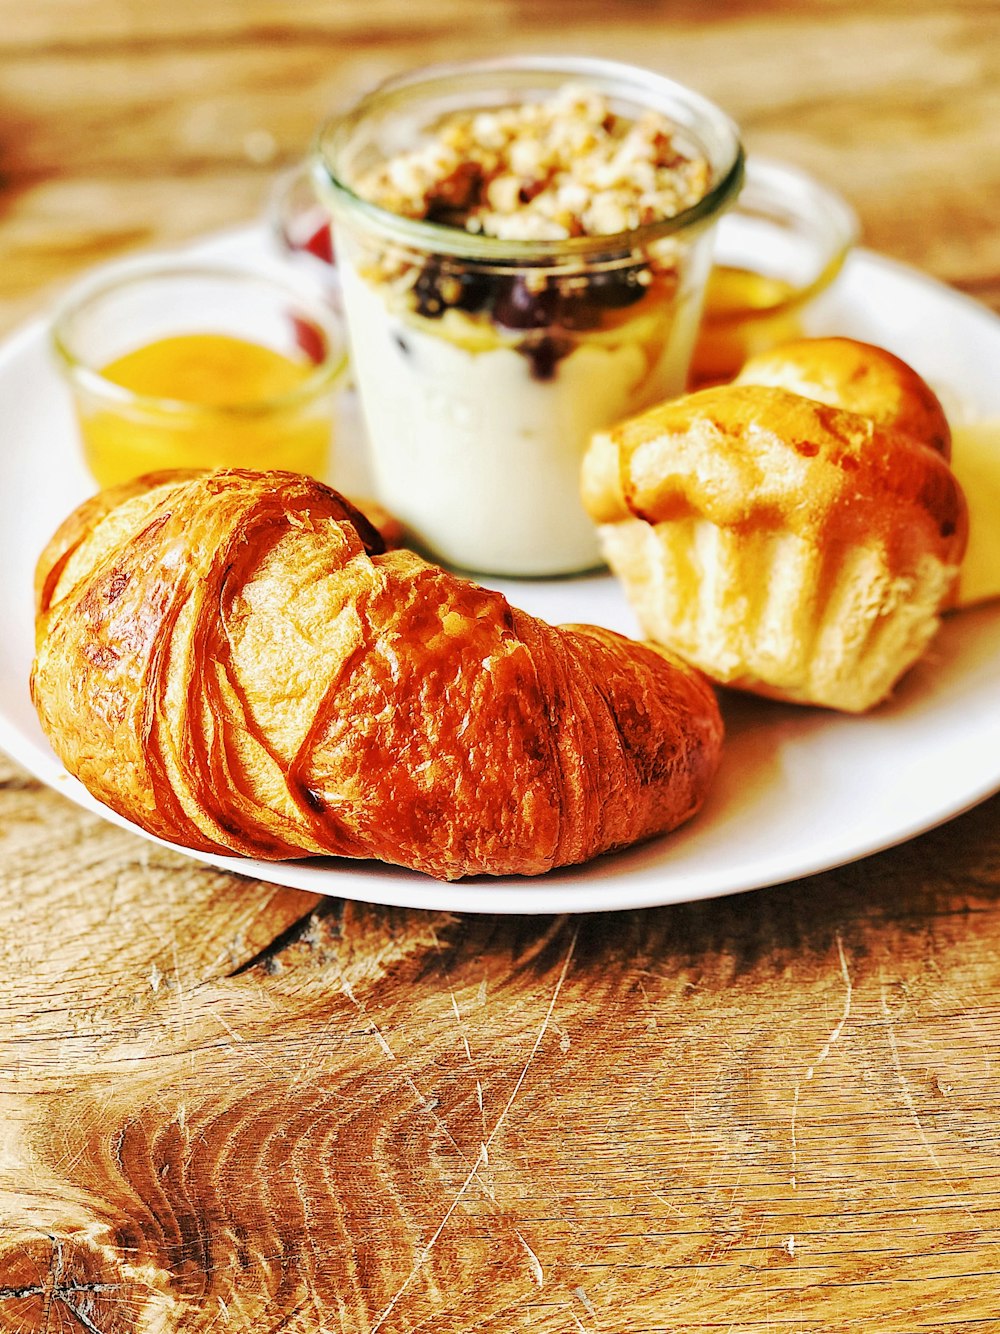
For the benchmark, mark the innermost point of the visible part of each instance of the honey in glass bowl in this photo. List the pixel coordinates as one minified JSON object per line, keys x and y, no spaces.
{"x":776,"y":252}
{"x":175,"y":365}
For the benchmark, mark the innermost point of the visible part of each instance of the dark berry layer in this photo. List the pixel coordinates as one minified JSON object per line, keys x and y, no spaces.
{"x":522,"y":302}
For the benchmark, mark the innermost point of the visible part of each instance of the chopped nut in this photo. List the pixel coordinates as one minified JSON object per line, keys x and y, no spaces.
{"x":545,"y":170}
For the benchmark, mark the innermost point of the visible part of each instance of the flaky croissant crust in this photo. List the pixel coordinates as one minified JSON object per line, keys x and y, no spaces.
{"x":231,"y":661}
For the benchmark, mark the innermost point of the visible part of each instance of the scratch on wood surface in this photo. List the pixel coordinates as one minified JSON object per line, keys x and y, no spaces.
{"x":383,"y":1042}
{"x":428,"y":1105}
{"x":911,"y":1105}
{"x":585,"y":1302}
{"x":822,"y":1055}
{"x":462,"y":1028}
{"x":664,"y":1201}
{"x":541,"y":1034}
{"x":461,"y":1025}
{"x":651,"y":1019}
{"x":248,"y":1047}
{"x":483,"y":1159}
{"x":533,"y":1261}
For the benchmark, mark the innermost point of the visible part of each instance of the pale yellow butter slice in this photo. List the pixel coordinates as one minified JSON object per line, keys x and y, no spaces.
{"x":975,"y":461}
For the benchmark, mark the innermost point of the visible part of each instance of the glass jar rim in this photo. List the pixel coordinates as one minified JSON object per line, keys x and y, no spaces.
{"x":775,"y":192}
{"x":123,"y":274}
{"x":606,"y":75}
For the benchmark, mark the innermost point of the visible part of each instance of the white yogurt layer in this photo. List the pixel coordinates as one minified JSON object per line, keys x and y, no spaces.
{"x":478,"y":458}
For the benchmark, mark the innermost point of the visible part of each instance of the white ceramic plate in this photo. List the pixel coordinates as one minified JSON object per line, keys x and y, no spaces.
{"x":799,"y":791}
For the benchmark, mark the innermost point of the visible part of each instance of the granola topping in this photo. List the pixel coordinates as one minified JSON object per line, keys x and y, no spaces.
{"x":550,"y":170}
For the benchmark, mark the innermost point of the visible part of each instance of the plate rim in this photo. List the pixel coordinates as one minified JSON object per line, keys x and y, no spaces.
{"x":559,"y":891}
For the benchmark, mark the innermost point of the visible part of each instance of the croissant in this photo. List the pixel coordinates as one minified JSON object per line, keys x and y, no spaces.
{"x":233,"y":662}
{"x":795,"y":533}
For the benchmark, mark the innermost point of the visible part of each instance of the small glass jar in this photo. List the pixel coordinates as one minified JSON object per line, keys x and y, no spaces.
{"x":298,"y":225}
{"x":485,"y":364}
{"x":776,"y":253}
{"x":176,"y":364}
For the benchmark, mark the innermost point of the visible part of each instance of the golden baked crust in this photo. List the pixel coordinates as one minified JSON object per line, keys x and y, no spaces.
{"x":231,"y":661}
{"x":858,"y":377}
{"x":781,"y":544}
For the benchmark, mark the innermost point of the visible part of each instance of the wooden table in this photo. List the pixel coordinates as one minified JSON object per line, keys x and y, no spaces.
{"x":229,"y":1106}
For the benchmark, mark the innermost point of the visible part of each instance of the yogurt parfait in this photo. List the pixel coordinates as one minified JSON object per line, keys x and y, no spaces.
{"x":523,"y":248}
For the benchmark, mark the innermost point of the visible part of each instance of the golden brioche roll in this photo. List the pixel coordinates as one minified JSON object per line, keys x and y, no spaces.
{"x":857,"y":377}
{"x":783,"y":545}
{"x":233,"y":662}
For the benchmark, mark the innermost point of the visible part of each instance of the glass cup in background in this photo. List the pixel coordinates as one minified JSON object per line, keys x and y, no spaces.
{"x":776,"y":253}
{"x":479,"y":403}
{"x":299,"y":224}
{"x":175,"y":364}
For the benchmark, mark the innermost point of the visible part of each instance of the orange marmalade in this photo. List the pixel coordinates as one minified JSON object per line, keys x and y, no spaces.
{"x":745,"y":313}
{"x":204,"y":400}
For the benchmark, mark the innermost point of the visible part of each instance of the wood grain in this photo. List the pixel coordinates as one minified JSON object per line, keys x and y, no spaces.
{"x":775,"y":1110}
{"x":234,"y":1107}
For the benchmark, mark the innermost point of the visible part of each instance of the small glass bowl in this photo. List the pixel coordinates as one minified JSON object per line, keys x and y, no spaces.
{"x":299,"y":224}
{"x":776,"y":252}
{"x":230,"y":329}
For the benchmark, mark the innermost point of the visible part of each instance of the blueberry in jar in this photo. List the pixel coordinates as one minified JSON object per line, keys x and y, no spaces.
{"x":440,"y":287}
{"x":616,"y":289}
{"x":576,"y":303}
{"x":517,"y":304}
{"x":544,"y":355}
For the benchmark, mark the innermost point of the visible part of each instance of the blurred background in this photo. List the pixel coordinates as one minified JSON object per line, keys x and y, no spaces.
{"x":125,"y":125}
